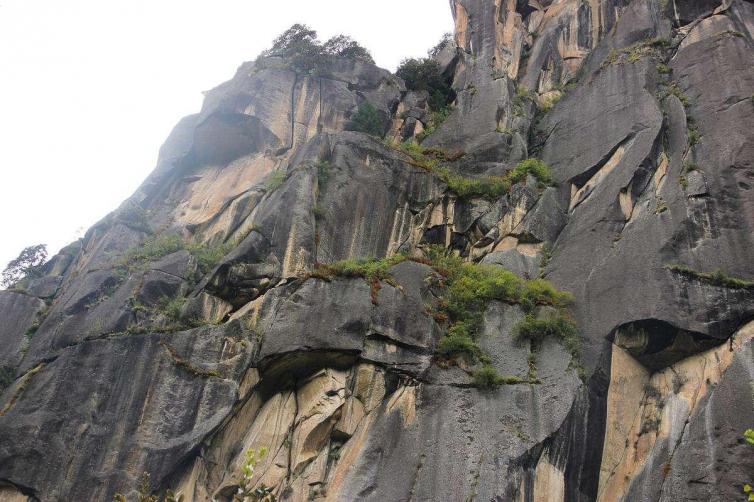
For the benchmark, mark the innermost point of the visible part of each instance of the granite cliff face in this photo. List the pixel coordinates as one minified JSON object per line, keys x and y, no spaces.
{"x":137,"y":353}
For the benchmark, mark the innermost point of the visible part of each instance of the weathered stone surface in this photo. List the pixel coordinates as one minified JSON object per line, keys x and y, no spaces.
{"x":642,"y":110}
{"x":20,"y":312}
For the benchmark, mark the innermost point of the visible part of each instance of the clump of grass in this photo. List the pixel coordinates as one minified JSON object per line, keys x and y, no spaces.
{"x":487,"y":187}
{"x":716,"y":278}
{"x":664,"y":69}
{"x":159,"y":246}
{"x":694,"y":135}
{"x":636,"y":52}
{"x":673,"y":89}
{"x":548,"y":102}
{"x":276,"y":180}
{"x":556,"y":324}
{"x":436,"y":118}
{"x":372,"y":270}
{"x":488,"y":378}
{"x":538,"y":169}
{"x":689,"y":166}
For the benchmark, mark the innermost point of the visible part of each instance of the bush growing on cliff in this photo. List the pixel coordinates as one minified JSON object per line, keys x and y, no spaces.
{"x":28,"y":263}
{"x":423,"y":74}
{"x":299,"y":44}
{"x":367,"y":120}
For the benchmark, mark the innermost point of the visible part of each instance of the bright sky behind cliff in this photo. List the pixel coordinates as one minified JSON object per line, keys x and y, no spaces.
{"x":89,"y":89}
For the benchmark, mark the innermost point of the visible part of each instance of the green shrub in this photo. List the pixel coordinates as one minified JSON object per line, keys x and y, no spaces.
{"x":489,"y":187}
{"x":153,"y":248}
{"x":172,"y":307}
{"x":717,"y":277}
{"x":323,"y":174}
{"x":28,"y":263}
{"x":488,"y":378}
{"x":535,"y":167}
{"x":367,"y":120}
{"x":276,"y":180}
{"x":455,"y":345}
{"x":423,"y":74}
{"x":436,"y":118}
{"x":299,"y":45}
{"x":555,"y":324}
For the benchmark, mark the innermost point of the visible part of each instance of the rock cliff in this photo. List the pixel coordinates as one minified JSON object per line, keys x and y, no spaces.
{"x":214,"y":312}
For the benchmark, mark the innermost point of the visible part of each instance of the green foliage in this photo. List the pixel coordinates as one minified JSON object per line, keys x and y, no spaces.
{"x":554,"y":323}
{"x":446,"y":39}
{"x":535,"y":167}
{"x":636,"y":52}
{"x":469,"y":290}
{"x":345,"y":47}
{"x":276,"y":180}
{"x":488,"y":378}
{"x":548,"y":102}
{"x":300,"y":46}
{"x":172,"y":307}
{"x":423,"y":74}
{"x":663,"y":68}
{"x":717,"y":278}
{"x":673,"y":89}
{"x":689,"y":166}
{"x":367,"y":120}
{"x":209,"y":255}
{"x":436,"y":118}
{"x":28,"y":263}
{"x":246,"y":491}
{"x":323,"y":174}
{"x":458,"y":344}
{"x":487,"y":187}
{"x":159,"y":246}
{"x":143,"y":494}
{"x":7,"y":376}
{"x":693,"y":133}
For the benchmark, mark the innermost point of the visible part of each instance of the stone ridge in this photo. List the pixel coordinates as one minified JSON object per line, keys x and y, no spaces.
{"x":229,"y":304}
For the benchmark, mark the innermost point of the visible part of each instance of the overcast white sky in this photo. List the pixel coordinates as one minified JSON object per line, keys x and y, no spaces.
{"x":89,"y":89}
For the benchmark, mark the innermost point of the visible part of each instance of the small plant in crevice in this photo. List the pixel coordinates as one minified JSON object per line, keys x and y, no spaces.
{"x":488,"y":378}
{"x":553,"y":324}
{"x":436,"y":118}
{"x":661,"y":206}
{"x":694,"y":135}
{"x":650,"y":47}
{"x":372,"y":270}
{"x":485,"y":187}
{"x":747,"y":488}
{"x":275,"y":180}
{"x":716,"y":278}
{"x":673,"y":89}
{"x":144,"y":494}
{"x":246,"y":490}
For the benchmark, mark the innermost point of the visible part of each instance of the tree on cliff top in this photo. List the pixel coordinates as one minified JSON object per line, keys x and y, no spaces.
{"x":27,"y":264}
{"x":299,"y":43}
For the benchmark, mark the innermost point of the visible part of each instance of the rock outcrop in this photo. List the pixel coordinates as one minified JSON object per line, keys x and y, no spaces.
{"x":204,"y":317}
